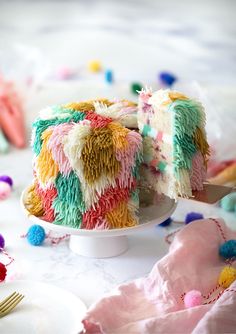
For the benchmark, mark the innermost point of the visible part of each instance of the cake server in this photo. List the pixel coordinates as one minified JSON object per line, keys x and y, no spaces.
{"x":212,"y":193}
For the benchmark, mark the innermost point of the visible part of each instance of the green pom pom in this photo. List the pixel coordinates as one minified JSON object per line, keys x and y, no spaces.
{"x":228,"y":203}
{"x":135,"y":86}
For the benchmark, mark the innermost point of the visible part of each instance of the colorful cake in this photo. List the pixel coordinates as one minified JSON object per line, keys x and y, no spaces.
{"x":86,"y":165}
{"x":91,"y":159}
{"x":174,"y":143}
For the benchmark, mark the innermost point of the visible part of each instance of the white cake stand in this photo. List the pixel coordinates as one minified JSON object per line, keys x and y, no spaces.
{"x":106,"y":243}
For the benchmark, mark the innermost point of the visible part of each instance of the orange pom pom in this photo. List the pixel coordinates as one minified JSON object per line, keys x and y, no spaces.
{"x":227,"y":276}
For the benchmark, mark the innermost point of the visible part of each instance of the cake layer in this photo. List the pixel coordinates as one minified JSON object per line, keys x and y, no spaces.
{"x":175,"y":146}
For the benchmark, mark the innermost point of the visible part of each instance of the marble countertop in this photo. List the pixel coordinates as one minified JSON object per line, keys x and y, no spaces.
{"x":137,"y":39}
{"x":88,"y":278}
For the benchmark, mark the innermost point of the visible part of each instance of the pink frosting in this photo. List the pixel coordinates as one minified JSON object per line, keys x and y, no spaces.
{"x":198,"y":173}
{"x":55,"y":144}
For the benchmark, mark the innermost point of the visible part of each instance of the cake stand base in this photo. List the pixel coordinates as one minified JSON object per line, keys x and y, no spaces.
{"x":106,"y":243}
{"x":98,"y":247}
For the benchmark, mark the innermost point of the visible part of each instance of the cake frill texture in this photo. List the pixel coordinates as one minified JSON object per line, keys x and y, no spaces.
{"x":174,"y":142}
{"x":86,"y":165}
{"x":92,"y":158}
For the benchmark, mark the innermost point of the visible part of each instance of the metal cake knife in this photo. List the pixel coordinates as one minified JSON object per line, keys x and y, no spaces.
{"x":212,"y":193}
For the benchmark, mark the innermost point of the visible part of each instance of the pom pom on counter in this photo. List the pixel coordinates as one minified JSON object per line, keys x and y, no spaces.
{"x":228,"y":203}
{"x":227,"y":276}
{"x":2,"y":242}
{"x":167,"y":78}
{"x":3,"y":272}
{"x":5,"y":190}
{"x":167,"y":222}
{"x":64,"y":73}
{"x":135,"y":87}
{"x":94,"y":66}
{"x":228,"y":249}
{"x":193,"y":298}
{"x":192,"y":216}
{"x":36,"y":235}
{"x":6,"y":179}
{"x":109,"y":76}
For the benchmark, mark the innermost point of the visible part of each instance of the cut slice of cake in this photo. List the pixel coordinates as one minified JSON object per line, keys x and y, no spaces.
{"x":174,"y":142}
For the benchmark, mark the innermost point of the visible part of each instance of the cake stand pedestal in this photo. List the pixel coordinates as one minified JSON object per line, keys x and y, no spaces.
{"x":98,"y":247}
{"x":106,"y":243}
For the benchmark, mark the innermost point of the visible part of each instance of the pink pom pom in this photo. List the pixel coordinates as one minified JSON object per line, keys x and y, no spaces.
{"x":193,"y":298}
{"x":64,"y":73}
{"x":5,"y":190}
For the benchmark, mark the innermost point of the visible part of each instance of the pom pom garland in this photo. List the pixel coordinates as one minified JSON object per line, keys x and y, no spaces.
{"x":227,"y":276}
{"x":192,"y":216}
{"x":2,"y":242}
{"x":94,"y":66}
{"x":3,"y":272}
{"x":109,"y":76}
{"x":3,"y":267}
{"x":135,"y":87}
{"x":7,"y":179}
{"x":5,"y":190}
{"x":167,"y":78}
{"x":228,"y":203}
{"x":36,"y":235}
{"x":193,"y":298}
{"x":167,"y":222}
{"x":228,"y":249}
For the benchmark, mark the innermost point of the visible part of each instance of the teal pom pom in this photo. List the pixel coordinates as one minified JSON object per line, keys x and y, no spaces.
{"x":191,"y":216}
{"x":228,"y":203}
{"x":228,"y":249}
{"x":36,"y":235}
{"x":109,"y":76}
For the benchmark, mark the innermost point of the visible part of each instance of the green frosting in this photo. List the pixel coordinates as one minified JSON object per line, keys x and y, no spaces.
{"x":67,"y":214}
{"x":136,"y":168}
{"x":69,"y":190}
{"x":69,"y":204}
{"x":184,"y":150}
{"x":135,"y":196}
{"x":187,"y":116}
{"x":41,"y":125}
{"x":161,"y":166}
{"x":146,"y":130}
{"x":59,"y":109}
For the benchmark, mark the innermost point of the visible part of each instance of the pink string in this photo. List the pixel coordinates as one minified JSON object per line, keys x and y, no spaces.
{"x":57,"y":240}
{"x":9,"y":257}
{"x":170,"y":235}
{"x":218,"y":296}
{"x":227,"y":261}
{"x":54,"y":240}
{"x":220,"y":228}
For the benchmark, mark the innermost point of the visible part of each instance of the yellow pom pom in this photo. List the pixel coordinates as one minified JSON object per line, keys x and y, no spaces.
{"x":227,"y":277}
{"x":94,"y":66}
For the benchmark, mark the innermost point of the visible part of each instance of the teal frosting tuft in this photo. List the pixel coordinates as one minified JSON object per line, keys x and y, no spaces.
{"x":41,"y":125}
{"x":187,"y":116}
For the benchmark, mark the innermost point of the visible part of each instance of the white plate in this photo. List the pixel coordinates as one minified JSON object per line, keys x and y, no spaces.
{"x":46,"y":309}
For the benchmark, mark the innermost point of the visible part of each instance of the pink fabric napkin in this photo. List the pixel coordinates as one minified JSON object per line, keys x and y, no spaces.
{"x":153,"y":304}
